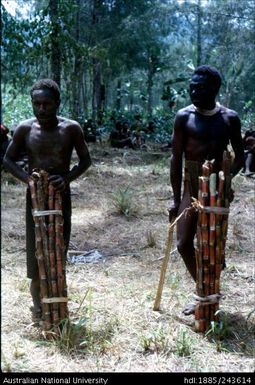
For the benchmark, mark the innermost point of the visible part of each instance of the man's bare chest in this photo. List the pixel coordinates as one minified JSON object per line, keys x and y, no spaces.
{"x":204,"y":128}
{"x":49,"y":142}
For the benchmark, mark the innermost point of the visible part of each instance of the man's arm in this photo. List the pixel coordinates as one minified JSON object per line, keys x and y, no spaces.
{"x":15,"y":148}
{"x":176,"y":163}
{"x":237,"y":144}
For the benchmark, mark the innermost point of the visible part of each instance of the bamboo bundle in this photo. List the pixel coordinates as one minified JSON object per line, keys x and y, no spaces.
{"x":50,"y":253}
{"x":213,"y":198}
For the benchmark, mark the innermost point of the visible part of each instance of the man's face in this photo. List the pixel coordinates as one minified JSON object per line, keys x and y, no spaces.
{"x":202,"y":93}
{"x":44,"y":105}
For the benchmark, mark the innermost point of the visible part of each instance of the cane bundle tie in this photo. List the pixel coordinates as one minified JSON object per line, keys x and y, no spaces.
{"x":213,"y":210}
{"x":209,"y":209}
{"x":54,"y":300}
{"x":43,"y":213}
{"x":50,"y":250}
{"x":209,"y":299}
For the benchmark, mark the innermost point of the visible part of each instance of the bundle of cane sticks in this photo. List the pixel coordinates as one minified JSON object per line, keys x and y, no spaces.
{"x":50,"y":253}
{"x":213,"y":210}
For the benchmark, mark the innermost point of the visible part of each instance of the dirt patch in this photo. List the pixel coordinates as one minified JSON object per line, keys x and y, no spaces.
{"x":111,"y":301}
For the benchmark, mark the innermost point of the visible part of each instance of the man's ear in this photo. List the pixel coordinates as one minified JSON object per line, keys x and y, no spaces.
{"x":58,"y":102}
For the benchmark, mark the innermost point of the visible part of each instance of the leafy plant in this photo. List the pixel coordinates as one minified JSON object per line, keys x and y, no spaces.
{"x":219,"y":329}
{"x":122,"y":200}
{"x":79,"y":336}
{"x":151,"y":240}
{"x":183,"y":343}
{"x":155,"y":341}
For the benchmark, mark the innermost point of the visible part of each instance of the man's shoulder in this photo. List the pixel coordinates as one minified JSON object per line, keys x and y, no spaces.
{"x":68,"y":123}
{"x":25,"y":125}
{"x":227,"y":111}
{"x":186,"y":110}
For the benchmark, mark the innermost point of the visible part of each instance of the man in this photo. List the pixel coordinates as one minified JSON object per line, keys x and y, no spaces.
{"x":5,"y":140}
{"x":48,"y":141}
{"x":120,"y":136}
{"x":202,"y":131}
{"x":249,"y":150}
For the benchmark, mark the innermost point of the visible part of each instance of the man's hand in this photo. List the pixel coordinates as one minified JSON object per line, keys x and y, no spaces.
{"x":173,"y":211}
{"x":58,"y":182}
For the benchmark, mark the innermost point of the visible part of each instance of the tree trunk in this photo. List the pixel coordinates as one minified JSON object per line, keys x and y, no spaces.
{"x":96,"y":65}
{"x":77,"y":68}
{"x":118,"y":99}
{"x":199,"y":28}
{"x":149,"y":89}
{"x":55,"y":59}
{"x":96,"y":99}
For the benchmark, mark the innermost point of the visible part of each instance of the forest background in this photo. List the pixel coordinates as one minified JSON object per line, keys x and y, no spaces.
{"x":121,"y":58}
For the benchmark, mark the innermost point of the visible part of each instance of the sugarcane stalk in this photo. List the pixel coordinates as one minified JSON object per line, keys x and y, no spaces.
{"x":205,"y":236}
{"x":60,"y":257}
{"x":40,"y":259}
{"x":43,"y":228}
{"x":199,"y":268}
{"x":227,"y":162}
{"x":52,"y":255}
{"x":212,"y":186}
{"x":219,"y":242}
{"x":202,"y":227}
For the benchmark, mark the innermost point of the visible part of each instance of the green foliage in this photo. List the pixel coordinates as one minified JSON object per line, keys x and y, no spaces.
{"x":147,"y":45}
{"x":16,"y":107}
{"x":151,"y":239}
{"x":183,"y":343}
{"x":122,"y":200}
{"x":219,"y":329}
{"x":155,"y":341}
{"x":80,"y":335}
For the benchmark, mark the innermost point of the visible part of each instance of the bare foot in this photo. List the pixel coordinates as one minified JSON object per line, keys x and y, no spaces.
{"x":36,"y":315}
{"x":189,"y":309}
{"x":248,"y":173}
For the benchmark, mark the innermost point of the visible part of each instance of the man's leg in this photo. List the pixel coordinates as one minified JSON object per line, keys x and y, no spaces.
{"x":32,"y":265}
{"x":186,"y":230}
{"x":35,"y":293}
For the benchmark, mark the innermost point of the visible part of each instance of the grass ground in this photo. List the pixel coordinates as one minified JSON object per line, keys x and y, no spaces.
{"x":113,"y":325}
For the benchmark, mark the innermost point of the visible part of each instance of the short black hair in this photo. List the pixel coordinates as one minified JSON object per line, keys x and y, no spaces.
{"x":212,"y":73}
{"x":47,"y":84}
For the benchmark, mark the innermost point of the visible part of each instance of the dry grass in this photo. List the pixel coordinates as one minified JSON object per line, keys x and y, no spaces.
{"x":113,"y":327}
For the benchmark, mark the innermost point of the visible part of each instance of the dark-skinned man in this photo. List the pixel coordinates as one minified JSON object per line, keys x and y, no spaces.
{"x":202,"y":131}
{"x":48,"y":140}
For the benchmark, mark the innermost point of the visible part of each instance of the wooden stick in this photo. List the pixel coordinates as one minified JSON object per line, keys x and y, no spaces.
{"x":168,"y":247}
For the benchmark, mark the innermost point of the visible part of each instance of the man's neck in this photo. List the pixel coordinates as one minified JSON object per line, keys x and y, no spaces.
{"x":48,"y":124}
{"x":209,"y":112}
